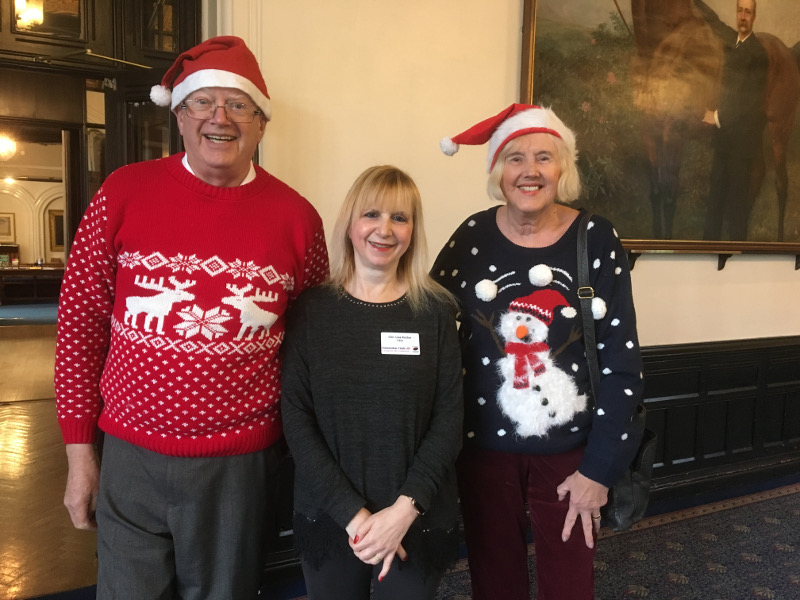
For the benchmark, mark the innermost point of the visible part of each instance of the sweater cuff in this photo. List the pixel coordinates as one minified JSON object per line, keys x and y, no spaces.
{"x":422,"y":497}
{"x":78,"y":431}
{"x":344,"y":511}
{"x":600,"y":470}
{"x":606,"y":467}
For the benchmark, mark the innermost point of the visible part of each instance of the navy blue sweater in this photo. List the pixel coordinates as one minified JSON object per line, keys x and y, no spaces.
{"x":526,"y":380}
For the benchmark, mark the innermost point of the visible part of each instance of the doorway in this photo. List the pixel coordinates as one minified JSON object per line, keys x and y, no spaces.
{"x":32,"y":194}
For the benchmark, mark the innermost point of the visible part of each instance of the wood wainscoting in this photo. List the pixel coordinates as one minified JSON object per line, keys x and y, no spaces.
{"x":726,"y":413}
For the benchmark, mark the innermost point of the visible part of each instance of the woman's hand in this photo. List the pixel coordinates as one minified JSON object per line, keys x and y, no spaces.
{"x":585,"y":499}
{"x":352,"y":527}
{"x":377,"y":538}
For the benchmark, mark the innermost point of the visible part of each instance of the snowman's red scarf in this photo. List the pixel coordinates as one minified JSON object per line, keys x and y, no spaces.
{"x":525,"y":356}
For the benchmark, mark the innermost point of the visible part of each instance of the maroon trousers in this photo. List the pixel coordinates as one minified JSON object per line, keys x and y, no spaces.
{"x":495,"y":488}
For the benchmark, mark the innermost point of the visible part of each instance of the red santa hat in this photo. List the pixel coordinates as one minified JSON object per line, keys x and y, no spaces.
{"x":223,"y":61}
{"x":516,"y":120}
{"x":540,"y":304}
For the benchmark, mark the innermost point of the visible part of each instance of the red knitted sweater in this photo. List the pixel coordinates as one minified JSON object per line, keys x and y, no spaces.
{"x":172,"y":310}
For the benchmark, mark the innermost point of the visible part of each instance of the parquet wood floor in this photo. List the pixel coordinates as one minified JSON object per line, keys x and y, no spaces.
{"x":27,"y":356}
{"x":40,"y":552}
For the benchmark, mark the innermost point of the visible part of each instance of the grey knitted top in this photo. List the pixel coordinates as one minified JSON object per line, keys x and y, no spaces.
{"x":372,"y":409}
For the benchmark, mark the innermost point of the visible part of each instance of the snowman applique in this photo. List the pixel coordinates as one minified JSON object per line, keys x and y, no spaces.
{"x":535,"y":394}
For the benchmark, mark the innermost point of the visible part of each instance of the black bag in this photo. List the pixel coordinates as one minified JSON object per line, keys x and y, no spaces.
{"x":627,"y":500}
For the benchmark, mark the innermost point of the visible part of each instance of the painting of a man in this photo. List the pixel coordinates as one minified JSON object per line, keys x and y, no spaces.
{"x":739,"y":125}
{"x":660,"y":97}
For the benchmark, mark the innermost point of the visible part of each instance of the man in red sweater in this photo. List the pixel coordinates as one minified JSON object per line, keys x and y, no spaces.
{"x":170,"y":320}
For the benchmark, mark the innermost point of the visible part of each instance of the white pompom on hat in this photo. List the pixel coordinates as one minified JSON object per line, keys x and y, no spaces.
{"x":513,"y":122}
{"x":223,"y":61}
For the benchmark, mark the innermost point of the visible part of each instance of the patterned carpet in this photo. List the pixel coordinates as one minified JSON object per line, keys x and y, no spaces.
{"x":738,"y":549}
{"x":746,"y":547}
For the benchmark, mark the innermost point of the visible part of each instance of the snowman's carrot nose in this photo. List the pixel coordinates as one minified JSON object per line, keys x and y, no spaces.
{"x":522,"y":331}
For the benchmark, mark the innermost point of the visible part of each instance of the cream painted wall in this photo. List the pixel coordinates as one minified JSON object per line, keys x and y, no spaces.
{"x":29,"y":202}
{"x":683,"y":299}
{"x":362,"y":82}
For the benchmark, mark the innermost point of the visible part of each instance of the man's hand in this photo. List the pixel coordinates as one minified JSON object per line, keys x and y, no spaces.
{"x":83,"y":482}
{"x":585,"y":499}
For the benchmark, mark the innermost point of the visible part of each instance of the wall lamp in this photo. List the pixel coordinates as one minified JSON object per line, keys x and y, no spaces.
{"x":8,"y":147}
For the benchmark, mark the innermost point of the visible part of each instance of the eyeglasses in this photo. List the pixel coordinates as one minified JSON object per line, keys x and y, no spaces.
{"x":203,"y":109}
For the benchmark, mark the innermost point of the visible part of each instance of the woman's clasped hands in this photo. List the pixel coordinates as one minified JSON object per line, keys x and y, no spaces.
{"x":376,"y":538}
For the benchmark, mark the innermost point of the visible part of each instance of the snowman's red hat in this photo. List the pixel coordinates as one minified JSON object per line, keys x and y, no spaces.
{"x":540,"y":304}
{"x":223,"y":61}
{"x":513,"y":122}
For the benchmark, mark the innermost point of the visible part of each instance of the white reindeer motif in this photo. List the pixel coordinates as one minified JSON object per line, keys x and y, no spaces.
{"x":158,"y":306}
{"x":252,"y":317}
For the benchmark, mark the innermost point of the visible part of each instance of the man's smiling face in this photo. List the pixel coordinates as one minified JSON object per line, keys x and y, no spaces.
{"x":219,"y":150}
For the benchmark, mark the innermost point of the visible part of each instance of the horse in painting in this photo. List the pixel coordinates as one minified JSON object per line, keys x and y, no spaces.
{"x":676,"y":74}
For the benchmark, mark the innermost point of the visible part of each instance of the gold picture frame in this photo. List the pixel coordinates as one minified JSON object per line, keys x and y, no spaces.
{"x":585,"y":74}
{"x":8,"y":233}
{"x":55,"y":220}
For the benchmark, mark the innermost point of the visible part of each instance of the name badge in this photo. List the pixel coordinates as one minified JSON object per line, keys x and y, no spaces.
{"x":400,"y":343}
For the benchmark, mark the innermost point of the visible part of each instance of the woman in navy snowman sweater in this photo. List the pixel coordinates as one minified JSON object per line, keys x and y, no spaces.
{"x":532,"y":435}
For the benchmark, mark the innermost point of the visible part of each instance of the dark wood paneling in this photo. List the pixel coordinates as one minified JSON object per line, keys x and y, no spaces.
{"x":27,"y":285}
{"x":135,"y":22}
{"x":41,"y":96}
{"x":108,"y":29}
{"x":725,"y":412}
{"x":95,"y":32}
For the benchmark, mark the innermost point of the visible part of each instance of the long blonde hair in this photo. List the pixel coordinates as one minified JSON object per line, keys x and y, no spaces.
{"x":387,"y":188}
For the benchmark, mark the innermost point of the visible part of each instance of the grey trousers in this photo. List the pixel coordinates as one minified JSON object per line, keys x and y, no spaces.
{"x":190,"y":528}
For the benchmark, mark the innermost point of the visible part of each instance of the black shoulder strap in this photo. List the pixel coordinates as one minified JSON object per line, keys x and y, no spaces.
{"x":586,"y":293}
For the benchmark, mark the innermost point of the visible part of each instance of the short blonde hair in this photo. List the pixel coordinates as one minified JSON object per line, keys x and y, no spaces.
{"x":569,"y":182}
{"x":388,"y":188}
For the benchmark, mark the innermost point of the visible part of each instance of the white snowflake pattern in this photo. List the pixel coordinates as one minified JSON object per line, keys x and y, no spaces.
{"x":287,"y":281}
{"x":208,"y":324}
{"x":184,"y":263}
{"x":248,"y":270}
{"x":129,"y":259}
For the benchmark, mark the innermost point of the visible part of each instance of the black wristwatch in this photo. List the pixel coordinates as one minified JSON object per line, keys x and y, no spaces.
{"x":417,"y":506}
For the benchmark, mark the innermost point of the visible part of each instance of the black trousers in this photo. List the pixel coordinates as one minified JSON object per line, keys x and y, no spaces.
{"x":344,"y":576}
{"x":730,"y":197}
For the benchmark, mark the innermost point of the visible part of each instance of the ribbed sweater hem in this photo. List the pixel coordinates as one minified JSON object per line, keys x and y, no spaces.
{"x":217,"y":444}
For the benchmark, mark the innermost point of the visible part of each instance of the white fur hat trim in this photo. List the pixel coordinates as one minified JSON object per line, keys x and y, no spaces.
{"x":219,"y":78}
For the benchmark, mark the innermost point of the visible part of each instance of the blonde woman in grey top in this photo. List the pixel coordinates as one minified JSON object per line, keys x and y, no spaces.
{"x":372,"y":405}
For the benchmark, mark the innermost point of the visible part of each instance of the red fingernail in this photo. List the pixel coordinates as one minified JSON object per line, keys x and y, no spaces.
{"x":405,"y":558}
{"x":355,"y":540}
{"x":380,"y":578}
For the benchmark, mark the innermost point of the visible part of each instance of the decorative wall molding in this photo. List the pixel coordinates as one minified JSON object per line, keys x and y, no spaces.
{"x":243,"y":19}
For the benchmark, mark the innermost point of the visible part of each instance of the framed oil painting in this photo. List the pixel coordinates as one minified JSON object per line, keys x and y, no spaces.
{"x":7,"y":230}
{"x":56,"y":229}
{"x":635,"y":80}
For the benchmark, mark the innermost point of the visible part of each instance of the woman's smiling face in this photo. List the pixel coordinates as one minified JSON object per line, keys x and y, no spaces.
{"x":380,"y":237}
{"x":531,"y":170}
